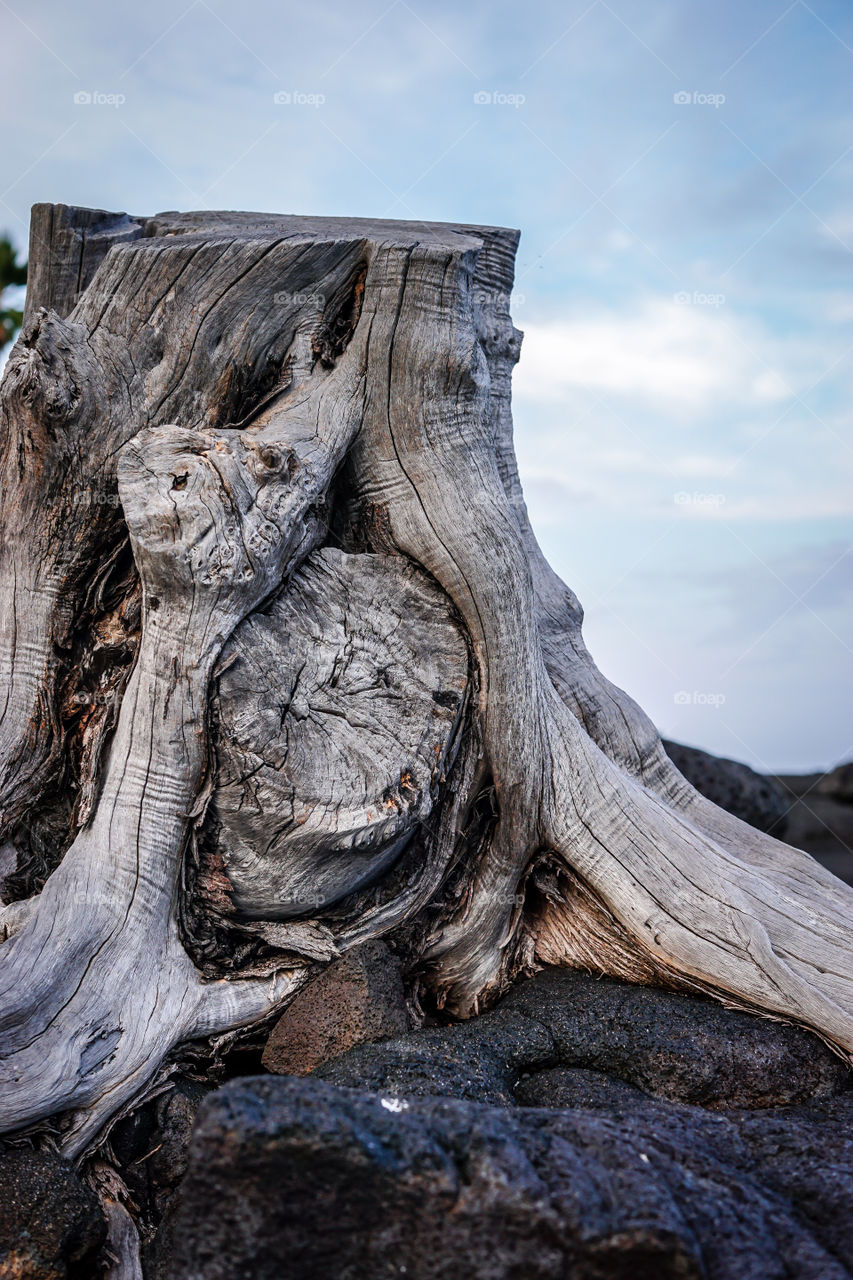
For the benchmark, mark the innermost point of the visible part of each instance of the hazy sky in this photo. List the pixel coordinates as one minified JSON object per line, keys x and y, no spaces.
{"x":681,"y":174}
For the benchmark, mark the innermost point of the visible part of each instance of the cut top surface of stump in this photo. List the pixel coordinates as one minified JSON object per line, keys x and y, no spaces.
{"x":396,"y":231}
{"x":68,"y":243}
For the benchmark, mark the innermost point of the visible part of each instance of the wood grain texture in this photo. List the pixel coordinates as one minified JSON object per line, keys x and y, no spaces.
{"x":301,"y":433}
{"x":335,"y":711}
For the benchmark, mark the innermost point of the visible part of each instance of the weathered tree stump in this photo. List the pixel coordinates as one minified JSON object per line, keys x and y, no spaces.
{"x":283,"y":668}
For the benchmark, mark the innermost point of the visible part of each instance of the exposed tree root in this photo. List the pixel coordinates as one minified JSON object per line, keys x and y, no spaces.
{"x":386,"y":397}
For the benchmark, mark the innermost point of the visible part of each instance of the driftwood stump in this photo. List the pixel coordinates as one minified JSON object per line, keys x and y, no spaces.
{"x":284,"y":669}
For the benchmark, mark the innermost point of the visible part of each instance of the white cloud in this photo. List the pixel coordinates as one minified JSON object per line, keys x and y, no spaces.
{"x":810,"y":577}
{"x":681,"y":466}
{"x":839,"y":227}
{"x":550,"y":498}
{"x":838,"y":308}
{"x":687,"y":354}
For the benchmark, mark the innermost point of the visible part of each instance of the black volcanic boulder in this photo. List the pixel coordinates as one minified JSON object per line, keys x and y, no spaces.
{"x":560,"y":1135}
{"x":299,"y":1178}
{"x":677,"y":1047}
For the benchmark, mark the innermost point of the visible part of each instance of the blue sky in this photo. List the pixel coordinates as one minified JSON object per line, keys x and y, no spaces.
{"x":681,"y":174}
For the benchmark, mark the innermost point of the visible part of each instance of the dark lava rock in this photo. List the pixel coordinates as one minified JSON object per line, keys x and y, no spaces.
{"x":838,"y":784}
{"x":359,"y":998}
{"x":154,"y":1177}
{"x":754,"y":797}
{"x":305,"y":1179}
{"x":820,"y":818}
{"x":175,"y":1114}
{"x":684,"y":1048}
{"x":583,"y":1128}
{"x":574,"y":1087}
{"x":51,"y":1224}
{"x":150,"y":1145}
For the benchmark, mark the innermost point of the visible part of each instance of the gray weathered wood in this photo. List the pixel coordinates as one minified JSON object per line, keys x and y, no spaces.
{"x":67,"y":245}
{"x":243,"y":389}
{"x":335,"y":711}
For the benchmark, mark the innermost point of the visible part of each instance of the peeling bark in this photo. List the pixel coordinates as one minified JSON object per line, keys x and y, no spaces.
{"x":230,"y":393}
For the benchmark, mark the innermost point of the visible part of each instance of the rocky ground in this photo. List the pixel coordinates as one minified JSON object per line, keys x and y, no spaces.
{"x":582,"y":1128}
{"x":819,"y":817}
{"x":813,"y":811}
